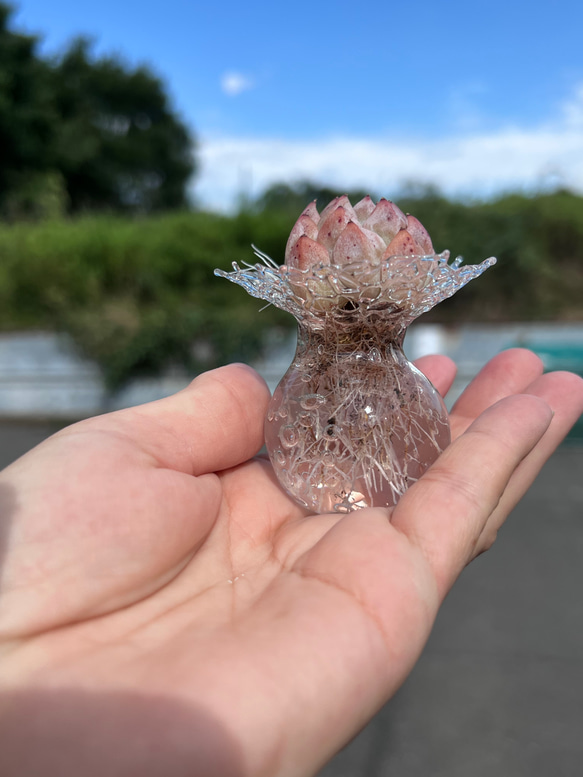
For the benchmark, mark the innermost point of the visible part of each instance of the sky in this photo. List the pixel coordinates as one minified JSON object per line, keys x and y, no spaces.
{"x":476,"y":98}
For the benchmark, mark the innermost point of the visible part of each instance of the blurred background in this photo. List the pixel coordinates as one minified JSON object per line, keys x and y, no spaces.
{"x":143,"y":144}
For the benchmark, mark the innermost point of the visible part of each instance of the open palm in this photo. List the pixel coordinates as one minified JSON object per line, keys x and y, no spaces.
{"x":166,"y":609}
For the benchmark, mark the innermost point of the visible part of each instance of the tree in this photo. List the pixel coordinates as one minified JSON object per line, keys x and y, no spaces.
{"x":85,"y":133}
{"x":28,"y":120}
{"x":119,"y":145}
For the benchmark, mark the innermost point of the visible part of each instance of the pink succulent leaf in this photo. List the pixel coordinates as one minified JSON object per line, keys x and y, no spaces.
{"x":354,"y":245}
{"x":332,"y":205}
{"x":303,"y":226}
{"x":386,"y":220}
{"x":339,"y":202}
{"x":364,"y":208}
{"x":419,"y":234}
{"x":312,"y":212}
{"x":331,"y":227}
{"x":346,"y":204}
{"x":377,"y":243}
{"x":307,"y":253}
{"x":403,"y":245}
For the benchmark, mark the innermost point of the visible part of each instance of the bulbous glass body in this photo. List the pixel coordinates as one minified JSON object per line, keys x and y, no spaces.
{"x":353,"y":423}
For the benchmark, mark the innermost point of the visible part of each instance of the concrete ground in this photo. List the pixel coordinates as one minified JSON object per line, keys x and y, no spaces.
{"x":499,"y":688}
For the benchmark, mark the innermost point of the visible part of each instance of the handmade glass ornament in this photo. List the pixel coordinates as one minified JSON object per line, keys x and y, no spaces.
{"x":353,"y":423}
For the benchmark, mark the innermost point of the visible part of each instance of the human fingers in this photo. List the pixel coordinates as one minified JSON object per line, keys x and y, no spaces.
{"x":509,"y":372}
{"x":213,"y":424}
{"x":445,"y":512}
{"x":440,"y":370}
{"x":563,"y":392}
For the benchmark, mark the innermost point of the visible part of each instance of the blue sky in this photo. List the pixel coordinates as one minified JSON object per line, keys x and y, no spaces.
{"x":476,"y":97}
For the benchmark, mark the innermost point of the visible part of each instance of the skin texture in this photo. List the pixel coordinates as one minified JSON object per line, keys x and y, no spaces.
{"x":165,"y":609}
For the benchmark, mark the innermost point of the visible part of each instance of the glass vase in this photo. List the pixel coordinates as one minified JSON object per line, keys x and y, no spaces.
{"x":353,"y":423}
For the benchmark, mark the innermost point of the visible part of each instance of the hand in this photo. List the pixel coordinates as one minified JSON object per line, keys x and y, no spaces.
{"x":165,"y":609}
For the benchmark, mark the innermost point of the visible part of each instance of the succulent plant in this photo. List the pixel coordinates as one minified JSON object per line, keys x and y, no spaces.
{"x":367,"y":245}
{"x":343,"y":234}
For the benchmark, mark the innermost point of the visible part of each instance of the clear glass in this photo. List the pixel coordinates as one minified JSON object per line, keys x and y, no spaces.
{"x":353,"y":423}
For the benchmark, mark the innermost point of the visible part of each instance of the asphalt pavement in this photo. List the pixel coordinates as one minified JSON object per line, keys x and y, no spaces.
{"x":498,"y":691}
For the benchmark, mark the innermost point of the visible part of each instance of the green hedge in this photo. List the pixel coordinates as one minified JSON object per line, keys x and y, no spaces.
{"x":140,"y":296}
{"x":539,"y":245}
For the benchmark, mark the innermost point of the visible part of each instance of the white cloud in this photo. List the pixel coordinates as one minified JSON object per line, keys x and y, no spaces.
{"x":471,"y":163}
{"x":234,"y":83}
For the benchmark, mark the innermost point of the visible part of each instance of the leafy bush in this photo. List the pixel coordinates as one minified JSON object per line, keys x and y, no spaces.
{"x":538,"y":242}
{"x":138,"y":296}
